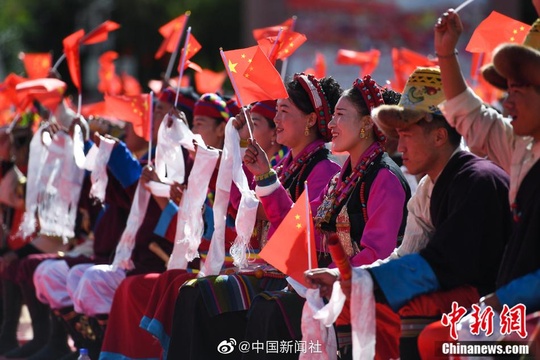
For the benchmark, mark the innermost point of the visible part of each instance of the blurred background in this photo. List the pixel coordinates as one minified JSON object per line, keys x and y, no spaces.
{"x":329,"y":25}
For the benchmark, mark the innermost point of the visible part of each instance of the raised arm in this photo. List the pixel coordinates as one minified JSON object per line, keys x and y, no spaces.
{"x":447,"y":32}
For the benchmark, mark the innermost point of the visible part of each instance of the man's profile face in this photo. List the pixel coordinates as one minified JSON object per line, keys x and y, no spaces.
{"x":522,"y":105}
{"x":417,"y":146}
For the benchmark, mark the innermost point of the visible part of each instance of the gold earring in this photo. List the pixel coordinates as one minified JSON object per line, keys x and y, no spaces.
{"x":363,"y":133}
{"x":306,"y":130}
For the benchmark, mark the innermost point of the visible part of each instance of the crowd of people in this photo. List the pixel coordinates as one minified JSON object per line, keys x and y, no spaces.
{"x":152,"y":252}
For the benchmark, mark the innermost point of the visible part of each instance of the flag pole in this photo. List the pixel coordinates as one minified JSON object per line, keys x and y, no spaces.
{"x":182,"y":63}
{"x":275,"y":44}
{"x":79,"y":104}
{"x":173,"y":55}
{"x":308,"y":232}
{"x":150,"y":126}
{"x":58,"y":62}
{"x":233,"y":83}
{"x":462,"y":5}
{"x":286,"y":61}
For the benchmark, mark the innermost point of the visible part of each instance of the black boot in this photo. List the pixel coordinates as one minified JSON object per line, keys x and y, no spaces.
{"x":12,"y":305}
{"x":57,"y":346}
{"x":39,"y":313}
{"x":98,"y":325}
{"x":86,"y":332}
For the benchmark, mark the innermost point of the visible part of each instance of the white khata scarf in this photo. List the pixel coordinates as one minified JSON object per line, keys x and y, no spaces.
{"x":190,"y":225}
{"x":96,"y":161}
{"x":54,"y":184}
{"x":317,"y":318}
{"x":230,"y":169}
{"x":169,"y":168}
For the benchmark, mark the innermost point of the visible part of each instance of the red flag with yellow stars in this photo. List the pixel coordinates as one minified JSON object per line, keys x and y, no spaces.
{"x":367,"y":60}
{"x":494,"y":30}
{"x":287,"y":249}
{"x":135,"y":109}
{"x":101,"y":33}
{"x":71,"y":50}
{"x":193,"y":47}
{"x":172,"y":32}
{"x":208,"y":81}
{"x":253,"y":76}
{"x":282,"y":46}
{"x":36,"y":65}
{"x":265,"y":32}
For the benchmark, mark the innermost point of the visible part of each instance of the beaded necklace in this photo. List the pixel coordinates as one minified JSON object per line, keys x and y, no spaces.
{"x":288,"y":169}
{"x":343,"y":187}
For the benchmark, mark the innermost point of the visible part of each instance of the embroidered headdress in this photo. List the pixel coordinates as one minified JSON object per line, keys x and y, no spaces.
{"x":319,"y":101}
{"x":371,"y":92}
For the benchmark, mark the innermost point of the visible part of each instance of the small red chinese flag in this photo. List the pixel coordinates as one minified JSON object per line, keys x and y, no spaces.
{"x":109,"y":81}
{"x":172,"y":32}
{"x":71,"y":50}
{"x":48,"y":91}
{"x":100,"y":34}
{"x":494,"y":30}
{"x":282,"y":46}
{"x":367,"y":60}
{"x":36,"y":65}
{"x":193,"y":47}
{"x":405,"y":61}
{"x":253,"y":75}
{"x":265,"y":32}
{"x":287,"y":249}
{"x":208,"y":81}
{"x":135,"y":109}
{"x":319,"y":69}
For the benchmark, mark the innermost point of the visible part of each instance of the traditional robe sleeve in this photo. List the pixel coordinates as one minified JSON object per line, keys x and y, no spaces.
{"x":124,"y":166}
{"x":483,"y":128}
{"x":522,"y":290}
{"x":166,"y":226}
{"x":385,"y":213}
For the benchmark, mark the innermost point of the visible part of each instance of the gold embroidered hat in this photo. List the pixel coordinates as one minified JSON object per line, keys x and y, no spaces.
{"x":421,"y":96}
{"x":519,"y":63}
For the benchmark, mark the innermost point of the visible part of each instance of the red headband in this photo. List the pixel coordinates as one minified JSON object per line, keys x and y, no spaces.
{"x":316,"y":94}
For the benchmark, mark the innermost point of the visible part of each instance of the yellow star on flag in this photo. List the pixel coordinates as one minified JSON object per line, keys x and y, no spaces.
{"x":232,"y":66}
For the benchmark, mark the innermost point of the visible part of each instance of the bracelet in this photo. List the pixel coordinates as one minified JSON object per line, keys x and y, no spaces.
{"x":455,"y":53}
{"x":244,"y":143}
{"x":267,"y":178}
{"x":266,"y":175}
